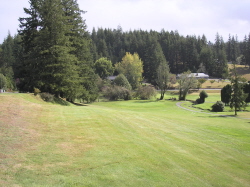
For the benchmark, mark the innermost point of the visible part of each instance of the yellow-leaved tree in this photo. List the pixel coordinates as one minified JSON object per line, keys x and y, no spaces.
{"x":132,"y":67}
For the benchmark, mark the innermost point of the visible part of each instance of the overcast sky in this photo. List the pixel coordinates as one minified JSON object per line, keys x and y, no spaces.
{"x":189,"y":17}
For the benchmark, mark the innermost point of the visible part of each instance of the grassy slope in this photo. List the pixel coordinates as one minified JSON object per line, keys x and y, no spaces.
{"x":242,"y":70}
{"x":132,"y":143}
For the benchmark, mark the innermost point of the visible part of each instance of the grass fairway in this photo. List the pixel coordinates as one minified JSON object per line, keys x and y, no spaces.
{"x":124,"y":143}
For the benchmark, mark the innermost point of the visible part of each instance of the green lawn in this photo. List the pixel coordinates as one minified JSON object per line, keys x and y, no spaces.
{"x":124,"y":143}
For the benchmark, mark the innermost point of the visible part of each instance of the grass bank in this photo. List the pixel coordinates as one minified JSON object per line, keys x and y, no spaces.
{"x":124,"y":143}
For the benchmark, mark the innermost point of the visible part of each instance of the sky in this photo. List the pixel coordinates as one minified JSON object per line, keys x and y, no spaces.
{"x":189,"y":17}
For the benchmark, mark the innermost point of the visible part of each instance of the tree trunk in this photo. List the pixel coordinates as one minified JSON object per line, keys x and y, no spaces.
{"x":235,"y":111}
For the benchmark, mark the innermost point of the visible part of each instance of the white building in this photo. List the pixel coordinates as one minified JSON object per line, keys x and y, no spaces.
{"x":199,"y":75}
{"x":196,"y":75}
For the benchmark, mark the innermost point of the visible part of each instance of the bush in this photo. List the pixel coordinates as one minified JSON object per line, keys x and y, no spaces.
{"x":226,"y":94}
{"x":47,"y":97}
{"x":146,"y":92}
{"x":199,"y":101}
{"x":36,"y":91}
{"x":203,"y":95}
{"x":122,"y":81}
{"x":3,"y":81}
{"x":113,"y":93}
{"x":218,"y":107}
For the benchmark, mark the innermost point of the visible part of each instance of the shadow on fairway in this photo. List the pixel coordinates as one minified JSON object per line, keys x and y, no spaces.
{"x":79,"y":104}
{"x":222,"y":116}
{"x":144,"y":101}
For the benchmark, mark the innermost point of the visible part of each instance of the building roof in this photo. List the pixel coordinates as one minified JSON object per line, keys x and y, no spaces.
{"x":199,"y":75}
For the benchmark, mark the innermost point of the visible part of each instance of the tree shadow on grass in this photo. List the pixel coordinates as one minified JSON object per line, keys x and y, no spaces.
{"x":222,"y":116}
{"x":79,"y":104}
{"x":145,"y":101}
{"x":61,"y":101}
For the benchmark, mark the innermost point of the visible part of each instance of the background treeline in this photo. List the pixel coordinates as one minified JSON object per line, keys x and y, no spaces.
{"x":182,"y":53}
{"x":196,"y":54}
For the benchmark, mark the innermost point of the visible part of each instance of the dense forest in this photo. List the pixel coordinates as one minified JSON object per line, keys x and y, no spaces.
{"x":53,"y":51}
{"x":183,"y":53}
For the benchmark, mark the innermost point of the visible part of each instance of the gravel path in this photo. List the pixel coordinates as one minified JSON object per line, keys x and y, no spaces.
{"x":191,"y":110}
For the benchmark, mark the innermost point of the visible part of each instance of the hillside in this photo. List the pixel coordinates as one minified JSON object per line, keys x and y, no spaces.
{"x":124,"y":143}
{"x":242,"y":70}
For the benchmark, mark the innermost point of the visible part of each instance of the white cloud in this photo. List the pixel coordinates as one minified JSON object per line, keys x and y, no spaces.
{"x":189,"y":17}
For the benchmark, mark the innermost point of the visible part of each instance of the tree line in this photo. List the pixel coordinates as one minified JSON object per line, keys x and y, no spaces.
{"x":54,"y":52}
{"x":196,"y":54}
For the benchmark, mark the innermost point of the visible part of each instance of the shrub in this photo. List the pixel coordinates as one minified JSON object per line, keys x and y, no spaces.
{"x":113,"y":93}
{"x":3,"y":81}
{"x":199,"y":101}
{"x":36,"y":91}
{"x":226,"y":94}
{"x":122,"y":81}
{"x":218,"y":107}
{"x":203,"y":95}
{"x":47,"y":97}
{"x":146,"y":92}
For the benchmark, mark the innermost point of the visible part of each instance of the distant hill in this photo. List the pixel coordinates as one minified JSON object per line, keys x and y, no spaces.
{"x":242,"y":70}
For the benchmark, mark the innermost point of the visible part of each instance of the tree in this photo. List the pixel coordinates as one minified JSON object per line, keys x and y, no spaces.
{"x":201,"y":81}
{"x":146,"y":92}
{"x":238,"y":96}
{"x":7,"y":60}
{"x":3,"y":81}
{"x":247,"y":92}
{"x":203,"y":96}
{"x":153,"y":58}
{"x":218,"y":107}
{"x":226,"y":94}
{"x":212,"y":81}
{"x":186,"y":82}
{"x":56,"y":49}
{"x":162,"y":77}
{"x":103,"y":67}
{"x":122,"y":81}
{"x":132,"y":67}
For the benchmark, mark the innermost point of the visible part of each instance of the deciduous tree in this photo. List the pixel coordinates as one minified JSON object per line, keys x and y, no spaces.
{"x":103,"y":67}
{"x":132,"y":67}
{"x":162,"y":77}
{"x":186,"y":82}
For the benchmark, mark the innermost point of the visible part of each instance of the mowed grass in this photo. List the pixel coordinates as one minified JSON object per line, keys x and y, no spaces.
{"x":124,"y":143}
{"x":210,"y":100}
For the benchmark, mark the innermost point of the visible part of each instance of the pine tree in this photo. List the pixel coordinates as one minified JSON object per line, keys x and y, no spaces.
{"x":7,"y":61}
{"x":238,"y":96}
{"x":57,"y":55}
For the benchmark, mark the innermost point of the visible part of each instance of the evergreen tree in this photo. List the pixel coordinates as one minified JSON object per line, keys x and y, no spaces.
{"x":153,"y":58}
{"x":226,"y":94}
{"x":238,"y":96}
{"x":7,"y":60}
{"x":56,"y":49}
{"x":221,"y":68}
